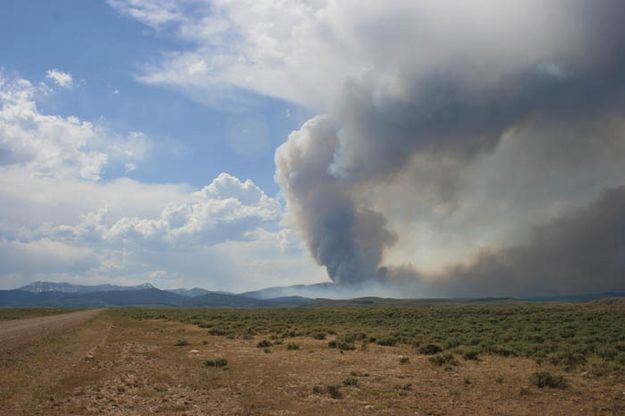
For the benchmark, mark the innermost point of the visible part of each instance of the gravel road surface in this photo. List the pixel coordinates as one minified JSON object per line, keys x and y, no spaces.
{"x":15,"y":333}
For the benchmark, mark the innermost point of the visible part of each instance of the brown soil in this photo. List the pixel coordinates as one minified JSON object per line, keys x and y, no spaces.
{"x":15,"y":333}
{"x":119,"y":366}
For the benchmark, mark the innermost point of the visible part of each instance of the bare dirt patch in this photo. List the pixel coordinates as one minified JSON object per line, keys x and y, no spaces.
{"x":139,"y":370}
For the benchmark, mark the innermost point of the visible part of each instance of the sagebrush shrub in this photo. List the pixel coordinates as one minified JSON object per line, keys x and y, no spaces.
{"x":543,"y":379}
{"x":430,"y":349}
{"x":216,"y":362}
{"x":264,"y":344}
{"x":446,"y":358}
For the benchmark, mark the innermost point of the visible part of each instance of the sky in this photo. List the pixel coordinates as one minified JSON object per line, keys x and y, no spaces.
{"x":71,"y":96}
{"x":404,"y":148}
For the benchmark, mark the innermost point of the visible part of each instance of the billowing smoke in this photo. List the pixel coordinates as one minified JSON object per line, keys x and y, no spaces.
{"x":481,"y":152}
{"x":346,"y":238}
{"x":584,"y":250}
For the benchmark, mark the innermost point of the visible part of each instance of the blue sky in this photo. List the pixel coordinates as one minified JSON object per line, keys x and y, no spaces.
{"x":104,"y":50}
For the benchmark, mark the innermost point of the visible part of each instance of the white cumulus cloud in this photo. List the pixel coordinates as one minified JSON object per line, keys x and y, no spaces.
{"x":60,"y":78}
{"x":57,"y":146}
{"x":225,"y":210}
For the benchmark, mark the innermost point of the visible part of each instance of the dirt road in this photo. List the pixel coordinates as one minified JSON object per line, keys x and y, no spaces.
{"x":16,"y":333}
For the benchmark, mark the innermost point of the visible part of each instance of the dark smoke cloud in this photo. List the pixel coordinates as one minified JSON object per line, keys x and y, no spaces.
{"x":583,"y":251}
{"x":462,"y":107}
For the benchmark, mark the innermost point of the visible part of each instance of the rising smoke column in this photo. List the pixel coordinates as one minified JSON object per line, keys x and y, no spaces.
{"x":475,"y":93}
{"x":345,"y":238}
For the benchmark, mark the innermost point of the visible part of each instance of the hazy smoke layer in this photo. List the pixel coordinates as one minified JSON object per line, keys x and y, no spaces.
{"x":582,"y":251}
{"x":487,"y":140}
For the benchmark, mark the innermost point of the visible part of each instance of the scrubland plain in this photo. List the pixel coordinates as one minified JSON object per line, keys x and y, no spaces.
{"x":439,"y":360}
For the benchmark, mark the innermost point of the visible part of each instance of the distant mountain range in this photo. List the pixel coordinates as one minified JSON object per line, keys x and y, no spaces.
{"x":50,"y":294}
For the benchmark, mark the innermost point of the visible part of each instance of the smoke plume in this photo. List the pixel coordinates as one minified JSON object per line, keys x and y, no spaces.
{"x":481,"y":152}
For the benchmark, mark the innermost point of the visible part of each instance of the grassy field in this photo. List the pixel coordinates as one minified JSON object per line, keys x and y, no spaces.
{"x":590,"y":337}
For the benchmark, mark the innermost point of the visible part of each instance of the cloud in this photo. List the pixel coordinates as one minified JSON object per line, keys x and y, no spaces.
{"x":225,"y":210}
{"x":56,"y":146}
{"x":226,"y":235}
{"x":52,"y":257}
{"x":60,"y":78}
{"x":289,"y":49}
{"x":446,"y":130}
{"x":261,"y":46}
{"x":64,"y":218}
{"x":152,"y":13}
